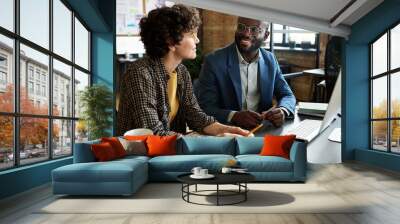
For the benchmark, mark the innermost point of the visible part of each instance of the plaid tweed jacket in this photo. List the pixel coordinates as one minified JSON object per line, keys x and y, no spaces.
{"x":144,"y":100}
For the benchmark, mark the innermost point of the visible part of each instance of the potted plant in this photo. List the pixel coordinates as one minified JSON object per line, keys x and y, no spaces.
{"x":96,"y":104}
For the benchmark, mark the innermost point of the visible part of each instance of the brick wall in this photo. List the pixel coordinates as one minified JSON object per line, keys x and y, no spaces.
{"x":218,"y":30}
{"x":323,"y":41}
{"x":298,"y":59}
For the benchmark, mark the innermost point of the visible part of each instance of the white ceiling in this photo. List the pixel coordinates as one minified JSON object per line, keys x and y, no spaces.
{"x":314,"y":15}
{"x":321,"y":9}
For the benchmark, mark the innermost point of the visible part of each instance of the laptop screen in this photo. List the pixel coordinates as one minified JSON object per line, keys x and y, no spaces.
{"x":334,"y":106}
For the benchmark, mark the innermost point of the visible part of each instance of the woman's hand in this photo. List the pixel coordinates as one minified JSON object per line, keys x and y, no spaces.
{"x":219,"y":129}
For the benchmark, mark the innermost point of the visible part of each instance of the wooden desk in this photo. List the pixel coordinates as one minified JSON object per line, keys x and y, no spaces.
{"x":320,"y":149}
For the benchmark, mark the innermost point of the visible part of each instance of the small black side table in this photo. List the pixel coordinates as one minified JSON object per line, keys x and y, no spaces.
{"x":239,"y":179}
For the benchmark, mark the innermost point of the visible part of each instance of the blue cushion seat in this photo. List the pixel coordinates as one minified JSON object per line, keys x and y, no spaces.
{"x":166,"y":168}
{"x":206,"y":145}
{"x":249,"y":145}
{"x":257,"y":163}
{"x":118,"y":177}
{"x":267,"y":168}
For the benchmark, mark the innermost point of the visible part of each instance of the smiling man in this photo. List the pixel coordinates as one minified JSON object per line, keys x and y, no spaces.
{"x":237,"y":83}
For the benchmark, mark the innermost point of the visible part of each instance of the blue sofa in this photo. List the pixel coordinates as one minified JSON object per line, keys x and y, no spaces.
{"x":125,"y":176}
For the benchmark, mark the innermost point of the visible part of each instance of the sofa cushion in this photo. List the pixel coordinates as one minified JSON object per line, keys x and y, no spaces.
{"x":83,"y":153}
{"x":112,"y":171}
{"x":116,"y":145}
{"x":161,"y":145}
{"x":206,"y":145}
{"x":257,"y":163}
{"x":133,"y":158}
{"x":118,"y":177}
{"x":185,"y":163}
{"x":249,"y":145}
{"x":134,"y":147}
{"x":104,"y":152}
{"x":277,"y":145}
{"x":136,"y":137}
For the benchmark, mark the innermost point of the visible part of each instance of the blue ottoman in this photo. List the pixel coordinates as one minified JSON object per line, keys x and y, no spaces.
{"x":118,"y":177}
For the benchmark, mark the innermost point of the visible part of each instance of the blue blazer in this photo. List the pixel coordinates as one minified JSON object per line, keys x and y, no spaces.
{"x":219,"y":88}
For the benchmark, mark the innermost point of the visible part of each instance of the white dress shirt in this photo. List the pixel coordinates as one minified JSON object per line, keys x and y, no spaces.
{"x":250,"y":86}
{"x":249,"y":83}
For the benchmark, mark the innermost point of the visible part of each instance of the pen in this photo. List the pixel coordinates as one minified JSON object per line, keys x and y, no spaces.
{"x":255,"y":129}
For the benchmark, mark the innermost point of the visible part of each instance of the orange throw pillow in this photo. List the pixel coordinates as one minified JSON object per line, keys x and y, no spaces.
{"x":277,"y":145}
{"x":103,"y":152}
{"x":116,"y":145}
{"x":161,"y":145}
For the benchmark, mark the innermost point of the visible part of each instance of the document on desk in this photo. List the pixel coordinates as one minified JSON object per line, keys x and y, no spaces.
{"x":309,"y":108}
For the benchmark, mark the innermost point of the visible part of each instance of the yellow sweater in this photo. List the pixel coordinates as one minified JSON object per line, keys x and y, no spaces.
{"x":172,"y":98}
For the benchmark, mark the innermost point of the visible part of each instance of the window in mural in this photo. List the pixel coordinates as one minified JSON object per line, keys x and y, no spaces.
{"x":43,"y":112}
{"x":385,"y":97}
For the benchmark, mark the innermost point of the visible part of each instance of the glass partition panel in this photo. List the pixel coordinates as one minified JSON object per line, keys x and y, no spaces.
{"x":34,"y":144}
{"x":395,"y":136}
{"x":379,"y":56}
{"x":62,"y":30}
{"x":6,"y":74}
{"x":379,"y":135}
{"x":6,"y":142}
{"x":395,"y":47}
{"x":62,"y":89}
{"x":34,"y":21}
{"x":81,"y":45}
{"x":81,"y":81}
{"x":379,"y":98}
{"x":34,"y":78}
{"x":7,"y":14}
{"x":62,"y":138}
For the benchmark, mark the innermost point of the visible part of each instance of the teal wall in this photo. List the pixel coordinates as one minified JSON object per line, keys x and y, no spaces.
{"x":24,"y":178}
{"x":356,"y":91}
{"x":104,"y":52}
{"x":103,"y":64}
{"x":99,"y":16}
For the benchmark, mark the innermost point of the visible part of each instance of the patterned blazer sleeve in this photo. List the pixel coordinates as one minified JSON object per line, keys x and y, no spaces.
{"x":138,"y":103}
{"x":196,"y":118}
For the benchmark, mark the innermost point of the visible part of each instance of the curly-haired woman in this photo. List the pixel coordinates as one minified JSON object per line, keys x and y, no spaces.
{"x":156,"y":91}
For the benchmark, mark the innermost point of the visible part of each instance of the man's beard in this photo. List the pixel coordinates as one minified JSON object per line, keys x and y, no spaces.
{"x":255,"y":44}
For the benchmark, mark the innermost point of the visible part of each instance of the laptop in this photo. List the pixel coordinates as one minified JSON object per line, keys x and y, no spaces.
{"x":308,"y":129}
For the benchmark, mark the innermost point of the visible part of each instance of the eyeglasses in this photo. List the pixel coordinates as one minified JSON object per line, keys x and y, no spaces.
{"x":241,"y":28}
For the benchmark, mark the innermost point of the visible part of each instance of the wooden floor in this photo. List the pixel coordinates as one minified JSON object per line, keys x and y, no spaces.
{"x":377,"y":188}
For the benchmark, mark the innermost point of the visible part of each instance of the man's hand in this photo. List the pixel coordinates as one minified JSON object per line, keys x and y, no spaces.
{"x":275,"y":115}
{"x":247,"y":119}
